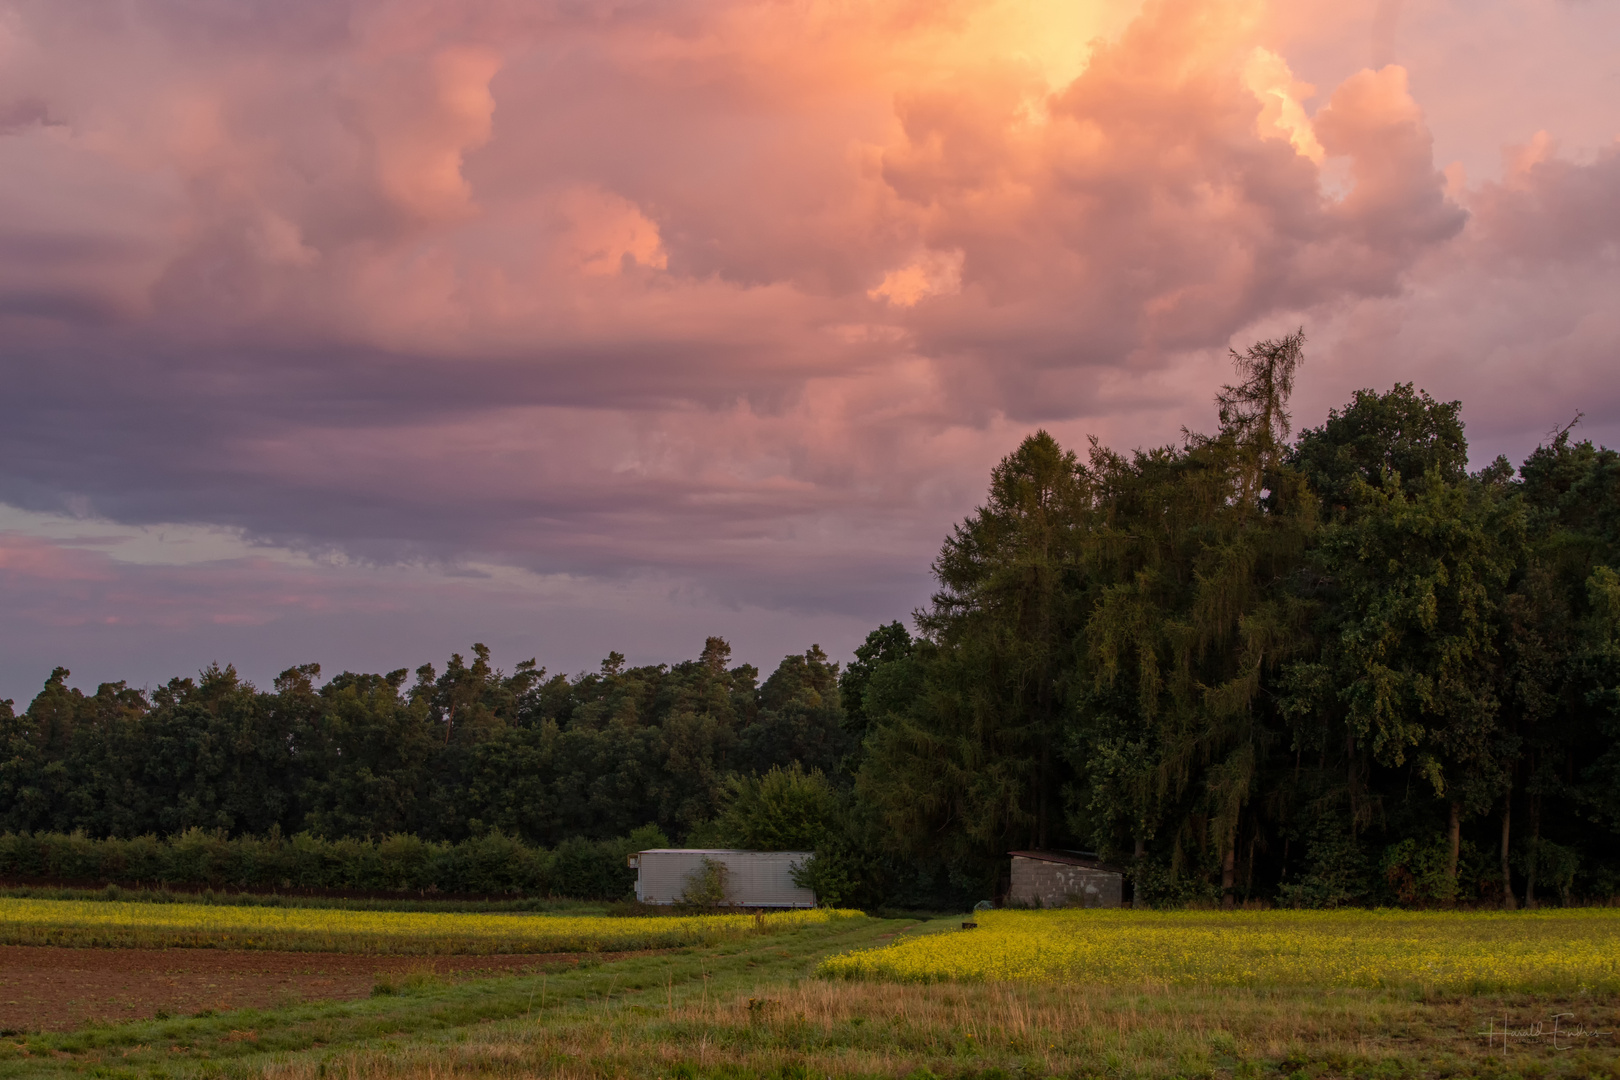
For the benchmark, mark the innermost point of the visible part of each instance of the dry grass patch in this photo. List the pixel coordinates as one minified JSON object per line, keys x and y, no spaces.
{"x":819,"y":1028}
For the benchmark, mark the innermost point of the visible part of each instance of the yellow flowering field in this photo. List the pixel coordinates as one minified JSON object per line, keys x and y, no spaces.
{"x":1476,"y":951}
{"x":138,"y":925}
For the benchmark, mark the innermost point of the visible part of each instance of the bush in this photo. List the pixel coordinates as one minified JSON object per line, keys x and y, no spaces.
{"x":1337,"y":873}
{"x":784,"y":810}
{"x":707,"y":886}
{"x":1556,"y":868}
{"x":1161,"y":887}
{"x":403,"y":860}
{"x":599,"y":869}
{"x":493,"y":864}
{"x":1417,"y":872}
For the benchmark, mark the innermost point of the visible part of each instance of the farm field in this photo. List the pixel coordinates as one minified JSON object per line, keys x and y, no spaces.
{"x":128,"y":925}
{"x":1575,"y":950}
{"x":751,"y":1005}
{"x":54,"y":989}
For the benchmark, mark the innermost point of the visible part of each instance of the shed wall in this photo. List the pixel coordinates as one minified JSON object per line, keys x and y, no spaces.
{"x":1037,"y":883}
{"x":757,"y":878}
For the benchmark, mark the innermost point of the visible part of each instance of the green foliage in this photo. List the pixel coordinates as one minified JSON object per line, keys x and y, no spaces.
{"x":490,"y":865}
{"x":784,"y":810}
{"x":794,"y":810}
{"x":1398,"y":438}
{"x":1336,"y":871}
{"x":1556,"y":866}
{"x":1417,"y":871}
{"x":1418,"y":581}
{"x":968,"y":766}
{"x":451,"y":757}
{"x":707,"y":886}
{"x":872,"y":685}
{"x":1241,"y":667}
{"x":800,"y":718}
{"x":1163,"y":885}
{"x":598,"y":869}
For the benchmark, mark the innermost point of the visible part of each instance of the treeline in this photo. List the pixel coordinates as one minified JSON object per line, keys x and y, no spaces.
{"x":444,"y":757}
{"x":1337,"y":668}
{"x":490,"y":865}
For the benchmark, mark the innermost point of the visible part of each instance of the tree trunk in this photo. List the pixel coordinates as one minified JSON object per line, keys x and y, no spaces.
{"x":1136,"y":886}
{"x":1456,"y":845}
{"x":1535,"y":851}
{"x":1350,"y":780}
{"x":1229,"y":874}
{"x":1508,"y":903}
{"x":1046,"y":749}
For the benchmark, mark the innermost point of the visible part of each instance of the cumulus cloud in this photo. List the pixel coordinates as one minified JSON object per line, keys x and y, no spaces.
{"x":1281,"y":96}
{"x":933,"y":273}
{"x":743,"y":297}
{"x":1513,"y":317}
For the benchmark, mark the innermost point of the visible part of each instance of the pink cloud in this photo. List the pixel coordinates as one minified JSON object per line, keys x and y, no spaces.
{"x":745,"y":297}
{"x":30,"y":558}
{"x":68,"y":584}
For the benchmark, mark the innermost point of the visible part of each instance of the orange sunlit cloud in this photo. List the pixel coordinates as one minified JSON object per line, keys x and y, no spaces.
{"x":736,"y":303}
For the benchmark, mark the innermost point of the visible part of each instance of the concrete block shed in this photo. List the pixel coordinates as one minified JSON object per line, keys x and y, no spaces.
{"x":1055,"y":879}
{"x":755,"y":878}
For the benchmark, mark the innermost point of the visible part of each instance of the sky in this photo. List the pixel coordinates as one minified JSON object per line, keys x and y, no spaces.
{"x":357,"y":331}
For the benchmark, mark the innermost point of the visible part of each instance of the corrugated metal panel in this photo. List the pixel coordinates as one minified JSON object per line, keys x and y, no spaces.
{"x":757,"y":878}
{"x":1047,"y":883}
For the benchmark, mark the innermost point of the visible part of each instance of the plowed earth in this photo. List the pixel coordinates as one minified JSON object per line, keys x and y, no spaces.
{"x":57,"y":989}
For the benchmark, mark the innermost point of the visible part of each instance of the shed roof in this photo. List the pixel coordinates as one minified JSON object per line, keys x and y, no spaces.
{"x":716,"y":851}
{"x":1067,"y":859}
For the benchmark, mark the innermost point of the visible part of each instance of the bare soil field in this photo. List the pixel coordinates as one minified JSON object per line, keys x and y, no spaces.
{"x":57,"y":989}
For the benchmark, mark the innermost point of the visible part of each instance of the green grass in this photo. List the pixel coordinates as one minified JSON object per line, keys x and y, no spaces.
{"x":751,"y":1008}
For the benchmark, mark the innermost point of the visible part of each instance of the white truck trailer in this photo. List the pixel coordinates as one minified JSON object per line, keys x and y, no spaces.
{"x":755,"y":879}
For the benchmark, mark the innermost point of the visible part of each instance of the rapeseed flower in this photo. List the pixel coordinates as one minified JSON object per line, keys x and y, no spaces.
{"x":123,"y":924}
{"x":1567,"y":949}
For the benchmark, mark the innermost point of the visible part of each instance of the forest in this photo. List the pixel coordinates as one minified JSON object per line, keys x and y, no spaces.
{"x":1326,"y":669}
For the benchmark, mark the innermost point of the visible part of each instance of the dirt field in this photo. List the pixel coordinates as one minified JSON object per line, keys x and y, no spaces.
{"x":51,"y":989}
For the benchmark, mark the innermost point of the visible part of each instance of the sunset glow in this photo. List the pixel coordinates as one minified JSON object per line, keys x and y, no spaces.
{"x":349,"y":331}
